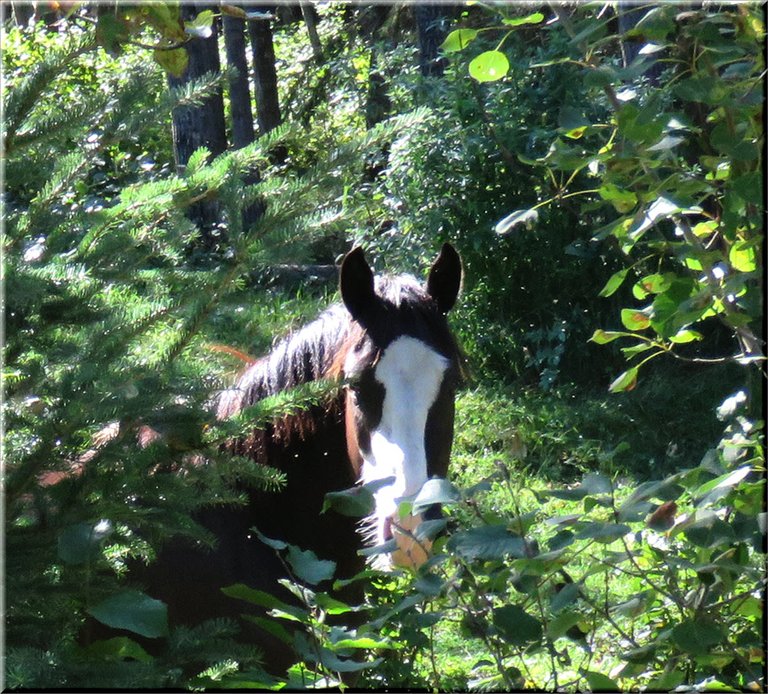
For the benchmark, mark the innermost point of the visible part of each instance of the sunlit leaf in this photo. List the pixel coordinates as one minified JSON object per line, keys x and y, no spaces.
{"x":535,"y":18}
{"x":626,"y":381}
{"x":489,"y":66}
{"x":633,"y":319}
{"x":614,"y":282}
{"x":526,"y":217}
{"x":458,"y":39}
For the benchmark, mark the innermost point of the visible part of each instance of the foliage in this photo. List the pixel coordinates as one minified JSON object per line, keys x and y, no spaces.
{"x":598,"y":585}
{"x":677,"y":155}
{"x":108,"y":360}
{"x":589,"y":541}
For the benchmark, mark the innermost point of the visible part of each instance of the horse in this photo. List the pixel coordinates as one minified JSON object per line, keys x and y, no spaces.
{"x":391,"y":423}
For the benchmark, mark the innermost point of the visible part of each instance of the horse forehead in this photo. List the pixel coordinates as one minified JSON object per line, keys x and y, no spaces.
{"x":410,"y":368}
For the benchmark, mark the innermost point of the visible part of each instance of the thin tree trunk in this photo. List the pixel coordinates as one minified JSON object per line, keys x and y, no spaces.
{"x":200,"y":126}
{"x":240,"y":101}
{"x":239,"y":91}
{"x":432,"y":25}
{"x":265,"y":75}
{"x":308,"y":13}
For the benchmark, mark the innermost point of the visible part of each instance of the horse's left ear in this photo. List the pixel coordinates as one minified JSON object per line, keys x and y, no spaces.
{"x":356,"y":285}
{"x":444,"y":279}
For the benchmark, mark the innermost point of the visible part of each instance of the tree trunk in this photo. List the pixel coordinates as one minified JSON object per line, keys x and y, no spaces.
{"x":432,"y":24}
{"x":239,"y":91}
{"x":240,"y":101}
{"x":200,"y":126}
{"x":314,"y":38}
{"x":265,"y":75}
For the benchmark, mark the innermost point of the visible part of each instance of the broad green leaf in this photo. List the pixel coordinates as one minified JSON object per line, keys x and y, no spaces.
{"x":634,"y":319}
{"x":697,"y":637}
{"x":562,"y":623}
{"x":357,"y":502}
{"x":332,"y":605}
{"x":118,"y":648}
{"x":278,"y":545}
{"x":686,"y":336}
{"x":517,"y":626}
{"x":535,"y":18}
{"x":623,"y":200}
{"x":201,"y":26}
{"x":487,"y":542}
{"x":743,"y":256}
{"x":435,"y":491}
{"x":730,"y":479}
{"x":599,"y":682}
{"x":603,"y":532}
{"x":308,"y":567}
{"x":625,"y":381}
{"x":652,"y":284}
{"x":489,"y":66}
{"x":458,"y":39}
{"x":602,"y":337}
{"x":133,"y":611}
{"x":80,"y":543}
{"x":564,"y":597}
{"x":614,"y":282}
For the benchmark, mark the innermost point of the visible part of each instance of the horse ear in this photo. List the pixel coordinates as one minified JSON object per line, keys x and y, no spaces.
{"x":444,"y":279}
{"x":356,"y":285}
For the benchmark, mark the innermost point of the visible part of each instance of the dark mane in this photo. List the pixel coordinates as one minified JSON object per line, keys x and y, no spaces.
{"x":317,"y":351}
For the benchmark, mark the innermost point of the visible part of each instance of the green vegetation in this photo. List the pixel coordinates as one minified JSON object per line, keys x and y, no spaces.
{"x":602,"y":178}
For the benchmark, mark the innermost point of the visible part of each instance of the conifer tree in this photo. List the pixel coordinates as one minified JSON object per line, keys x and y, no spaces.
{"x":110,"y":441}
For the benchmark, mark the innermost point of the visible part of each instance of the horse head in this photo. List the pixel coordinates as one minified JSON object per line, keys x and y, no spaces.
{"x":401,"y":368}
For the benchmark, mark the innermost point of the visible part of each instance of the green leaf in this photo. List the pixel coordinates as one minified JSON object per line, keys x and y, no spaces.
{"x":356,"y":502}
{"x":535,"y":18}
{"x":743,"y":256}
{"x":201,"y":26}
{"x":487,"y":542}
{"x":80,"y":543}
{"x":652,"y":284}
{"x":730,"y":479}
{"x":118,"y":648}
{"x":625,"y":381}
{"x":599,"y":682}
{"x":134,"y":611}
{"x":458,"y":39}
{"x":332,"y":605}
{"x":634,"y":319}
{"x":174,"y":61}
{"x":308,"y":567}
{"x":517,"y":626}
{"x":623,"y":200}
{"x":489,"y":66}
{"x":603,"y":337}
{"x":278,"y":545}
{"x":697,"y":637}
{"x":614,"y":282}
{"x":564,"y":597}
{"x":435,"y":491}
{"x":603,"y":532}
{"x":685,"y":336}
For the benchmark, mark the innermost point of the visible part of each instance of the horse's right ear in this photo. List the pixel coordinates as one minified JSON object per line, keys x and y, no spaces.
{"x":356,"y":285}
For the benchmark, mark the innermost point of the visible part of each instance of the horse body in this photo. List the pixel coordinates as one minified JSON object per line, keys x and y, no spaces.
{"x":390,"y":343}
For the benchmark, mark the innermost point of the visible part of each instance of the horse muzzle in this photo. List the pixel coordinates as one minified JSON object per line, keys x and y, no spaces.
{"x":411,"y":551}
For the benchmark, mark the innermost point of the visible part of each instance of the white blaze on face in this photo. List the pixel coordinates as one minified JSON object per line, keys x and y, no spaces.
{"x":411,"y":373}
